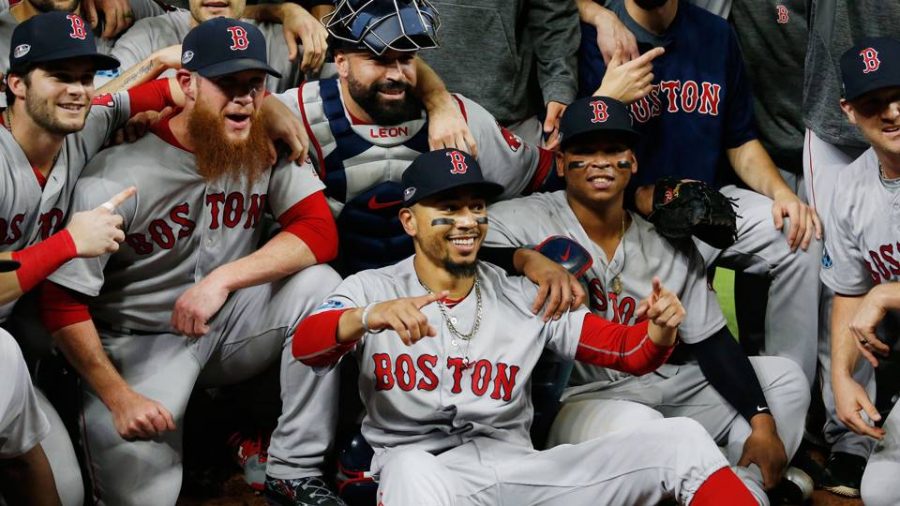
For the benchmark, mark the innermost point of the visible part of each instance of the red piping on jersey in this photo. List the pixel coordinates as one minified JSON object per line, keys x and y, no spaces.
{"x":41,"y":178}
{"x":462,"y":107}
{"x":40,"y":260}
{"x":60,"y":307}
{"x":309,"y":132}
{"x":312,"y":222}
{"x":545,"y":163}
{"x":315,"y":340}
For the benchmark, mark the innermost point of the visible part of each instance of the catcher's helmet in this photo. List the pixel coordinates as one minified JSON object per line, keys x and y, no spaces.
{"x":380,"y":25}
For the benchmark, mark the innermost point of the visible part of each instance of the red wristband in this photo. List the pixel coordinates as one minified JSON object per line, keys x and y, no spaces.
{"x":40,"y":260}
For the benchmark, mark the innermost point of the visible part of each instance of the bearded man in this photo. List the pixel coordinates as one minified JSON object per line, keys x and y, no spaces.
{"x":190,"y":298}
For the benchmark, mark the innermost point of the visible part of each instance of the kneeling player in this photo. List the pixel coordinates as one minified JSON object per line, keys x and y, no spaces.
{"x":189,"y":299}
{"x":446,"y":387}
{"x":727,"y":393}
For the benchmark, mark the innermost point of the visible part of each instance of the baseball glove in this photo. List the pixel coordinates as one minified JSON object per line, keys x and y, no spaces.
{"x":685,"y":208}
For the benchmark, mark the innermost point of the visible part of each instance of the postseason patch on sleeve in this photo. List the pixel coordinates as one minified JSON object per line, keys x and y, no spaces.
{"x":105,"y":100}
{"x":331,"y":304}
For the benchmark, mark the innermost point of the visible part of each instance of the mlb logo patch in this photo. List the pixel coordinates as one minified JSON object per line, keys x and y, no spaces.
{"x":827,"y":263}
{"x":21,"y":50}
{"x":330,"y":304}
{"x":187,"y":57}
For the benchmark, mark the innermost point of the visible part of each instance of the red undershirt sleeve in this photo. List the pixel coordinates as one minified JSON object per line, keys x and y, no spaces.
{"x":152,"y":96}
{"x":60,"y":307}
{"x":315,"y":340}
{"x":312,"y":222}
{"x":621,"y":347}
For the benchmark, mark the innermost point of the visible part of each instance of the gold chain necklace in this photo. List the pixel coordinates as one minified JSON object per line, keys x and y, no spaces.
{"x":467,"y":337}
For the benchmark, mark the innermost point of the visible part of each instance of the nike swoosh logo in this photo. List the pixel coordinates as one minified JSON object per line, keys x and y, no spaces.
{"x":760,"y":409}
{"x":565,"y":256}
{"x":375,"y":205}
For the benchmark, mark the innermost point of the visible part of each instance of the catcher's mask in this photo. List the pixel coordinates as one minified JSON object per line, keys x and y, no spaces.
{"x":382,"y":25}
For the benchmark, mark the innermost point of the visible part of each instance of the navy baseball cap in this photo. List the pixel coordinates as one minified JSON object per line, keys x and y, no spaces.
{"x":590,"y":115}
{"x":439,"y":171}
{"x":8,"y":265}
{"x":54,"y":36}
{"x":220,"y":46}
{"x":871,"y":64}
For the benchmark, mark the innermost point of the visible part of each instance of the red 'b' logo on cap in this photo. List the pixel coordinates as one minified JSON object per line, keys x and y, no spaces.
{"x":77,"y":27}
{"x":870,"y":60}
{"x":600,"y":112}
{"x":239,"y":41}
{"x":458,"y":161}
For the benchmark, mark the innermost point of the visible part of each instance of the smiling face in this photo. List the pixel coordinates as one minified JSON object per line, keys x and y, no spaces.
{"x":381,"y":85}
{"x":449,"y":244}
{"x":877,"y":115}
{"x":203,"y":10}
{"x":596,"y":170}
{"x":57,"y":95}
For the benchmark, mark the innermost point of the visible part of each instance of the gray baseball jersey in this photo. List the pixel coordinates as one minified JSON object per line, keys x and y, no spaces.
{"x":22,"y":423}
{"x":29,"y":213}
{"x":158,"y":32}
{"x":641,"y":255}
{"x":178,"y":228}
{"x":862,"y":231}
{"x":423,"y":396}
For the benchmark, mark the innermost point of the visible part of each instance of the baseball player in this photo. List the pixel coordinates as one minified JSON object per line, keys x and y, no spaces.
{"x":446,"y":388}
{"x":365,"y":127}
{"x":831,"y":144}
{"x":597,"y":163}
{"x":861,"y":240}
{"x":697,"y":114}
{"x":189,"y":299}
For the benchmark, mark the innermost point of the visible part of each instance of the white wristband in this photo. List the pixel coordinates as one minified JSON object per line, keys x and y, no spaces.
{"x":365,"y":320}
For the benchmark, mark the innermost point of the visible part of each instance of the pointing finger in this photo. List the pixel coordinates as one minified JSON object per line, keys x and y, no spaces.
{"x":111,"y":204}
{"x":657,"y":286}
{"x":648,"y":57}
{"x":426,"y":299}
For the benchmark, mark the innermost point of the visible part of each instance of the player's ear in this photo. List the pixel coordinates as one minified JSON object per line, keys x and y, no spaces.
{"x":558,"y":157}
{"x":185,"y":81}
{"x":634,"y":162}
{"x":17,"y":85}
{"x":342,"y":63}
{"x":848,"y":111}
{"x":408,"y":220}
